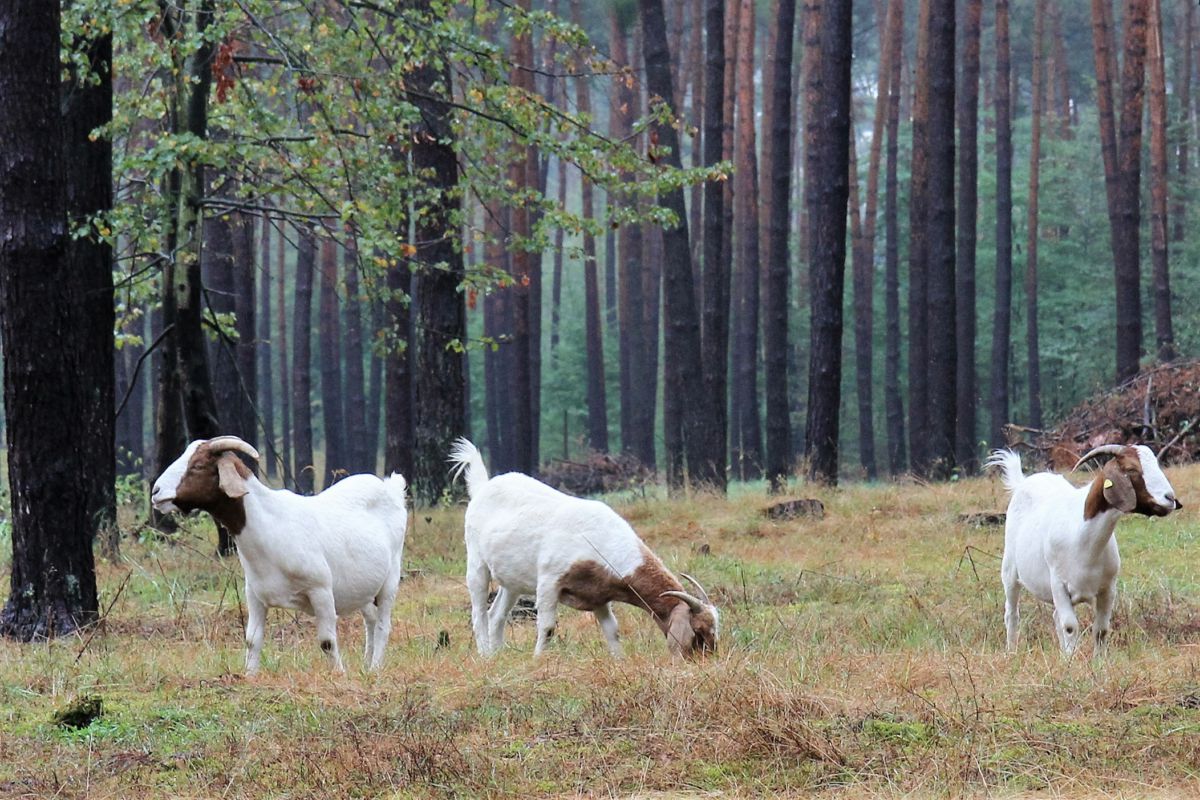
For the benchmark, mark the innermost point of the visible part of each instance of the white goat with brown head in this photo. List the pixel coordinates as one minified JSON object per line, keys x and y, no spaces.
{"x":328,"y":555}
{"x":535,"y":540}
{"x":1058,"y":538}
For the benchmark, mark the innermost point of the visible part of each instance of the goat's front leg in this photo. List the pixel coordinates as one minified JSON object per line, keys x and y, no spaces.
{"x":501,"y":607}
{"x":1066,"y":624}
{"x":608,"y":626}
{"x":547,"y":614}
{"x":256,"y":621}
{"x":1105,"y":601}
{"x":326,"y":614}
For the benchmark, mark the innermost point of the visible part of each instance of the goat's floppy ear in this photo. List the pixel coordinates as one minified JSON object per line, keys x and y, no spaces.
{"x":230,"y":477}
{"x":1118,"y":490}
{"x":680,"y":636}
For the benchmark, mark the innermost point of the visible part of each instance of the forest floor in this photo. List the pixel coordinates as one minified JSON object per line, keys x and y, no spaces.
{"x":862,"y":656}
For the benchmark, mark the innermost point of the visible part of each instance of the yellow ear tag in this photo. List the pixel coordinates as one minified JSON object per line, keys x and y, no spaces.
{"x":1107,"y":484}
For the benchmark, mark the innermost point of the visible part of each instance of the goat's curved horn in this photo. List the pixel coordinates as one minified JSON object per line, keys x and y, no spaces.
{"x":1104,"y":449}
{"x":699,"y":588}
{"x":693,"y":603}
{"x":223,"y":443}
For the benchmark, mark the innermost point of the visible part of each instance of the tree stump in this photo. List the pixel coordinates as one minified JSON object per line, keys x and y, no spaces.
{"x":795,"y":509}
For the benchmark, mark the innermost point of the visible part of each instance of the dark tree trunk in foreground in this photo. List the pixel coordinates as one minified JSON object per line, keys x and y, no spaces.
{"x":1164,"y":334}
{"x":266,"y":346}
{"x":41,"y":300}
{"x":440,"y":412}
{"x":1031,"y":231}
{"x":918,"y":258}
{"x":826,"y":152}
{"x":747,"y":439}
{"x":597,"y":399}
{"x":775,"y":310}
{"x":87,"y":105}
{"x":683,"y":416}
{"x":358,"y":457}
{"x":943,"y":352}
{"x":892,"y":398}
{"x":1002,"y":320}
{"x":243,"y":306}
{"x":968,"y":183}
{"x":329,"y":332}
{"x":217,"y":266}
{"x":302,"y":433}
{"x":716,"y":279}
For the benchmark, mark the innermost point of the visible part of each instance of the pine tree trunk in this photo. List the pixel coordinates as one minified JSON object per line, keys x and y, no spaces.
{"x":87,"y":105}
{"x":286,"y":416}
{"x":1184,"y":125}
{"x":829,"y":28}
{"x":681,"y":336}
{"x":329,"y":333}
{"x":716,"y":278}
{"x":967,"y":391}
{"x":1163,"y":330}
{"x":302,"y":432}
{"x":556,"y":290}
{"x":941,"y":309}
{"x":597,"y":400}
{"x":522,"y":378}
{"x":1031,"y":232}
{"x":918,"y":256}
{"x":892,"y":398}
{"x":440,"y":397}
{"x":775,"y":309}
{"x":398,"y":426}
{"x":1002,"y":319}
{"x":374,"y":389}
{"x":246,"y":407}
{"x":42,"y":300}
{"x":358,"y":454}
{"x":265,"y":347}
{"x":747,"y":455}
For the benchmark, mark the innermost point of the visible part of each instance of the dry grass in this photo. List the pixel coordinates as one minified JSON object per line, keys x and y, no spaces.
{"x":862,"y":657}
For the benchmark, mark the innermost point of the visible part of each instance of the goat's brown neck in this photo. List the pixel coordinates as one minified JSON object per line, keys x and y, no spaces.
{"x":646,"y":585}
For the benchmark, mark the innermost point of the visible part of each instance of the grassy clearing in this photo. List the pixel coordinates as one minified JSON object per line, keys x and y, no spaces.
{"x":862,"y":657}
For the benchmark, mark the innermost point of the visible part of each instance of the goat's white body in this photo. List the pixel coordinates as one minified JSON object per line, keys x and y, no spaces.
{"x":347,"y":541}
{"x":1058,"y":556}
{"x":527,"y":535}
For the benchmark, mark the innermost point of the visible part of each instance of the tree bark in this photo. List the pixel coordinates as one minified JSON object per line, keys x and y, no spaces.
{"x":42,"y":300}
{"x":244,"y":309}
{"x":829,"y":28}
{"x":87,"y":105}
{"x":1164,"y":334}
{"x":1002,"y":318}
{"x":941,"y":309}
{"x":440,"y":397}
{"x":893,"y":399}
{"x":1183,"y":159}
{"x":918,"y":255}
{"x":747,"y":454}
{"x":329,"y":332}
{"x":597,"y":399}
{"x":265,"y":347}
{"x":374,"y":388}
{"x":966,"y":440}
{"x":681,"y":335}
{"x":1031,"y":232}
{"x":285,"y":390}
{"x":358,"y":455}
{"x":775,"y":311}
{"x":302,"y":433}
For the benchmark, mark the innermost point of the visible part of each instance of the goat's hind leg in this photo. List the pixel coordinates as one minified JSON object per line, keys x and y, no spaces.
{"x":479,"y":577}
{"x":502,"y":605}
{"x":1012,"y":603}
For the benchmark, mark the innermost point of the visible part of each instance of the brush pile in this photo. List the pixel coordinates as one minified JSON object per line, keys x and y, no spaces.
{"x":1160,"y":408}
{"x":597,"y":473}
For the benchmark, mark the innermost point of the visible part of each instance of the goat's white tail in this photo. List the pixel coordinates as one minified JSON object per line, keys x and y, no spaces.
{"x":466,"y":459}
{"x":1010,"y":467}
{"x":396,"y":486}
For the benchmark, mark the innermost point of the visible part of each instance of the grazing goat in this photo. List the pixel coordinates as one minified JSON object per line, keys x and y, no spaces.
{"x":538,"y":541}
{"x":1058,"y":538}
{"x":328,"y":555}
